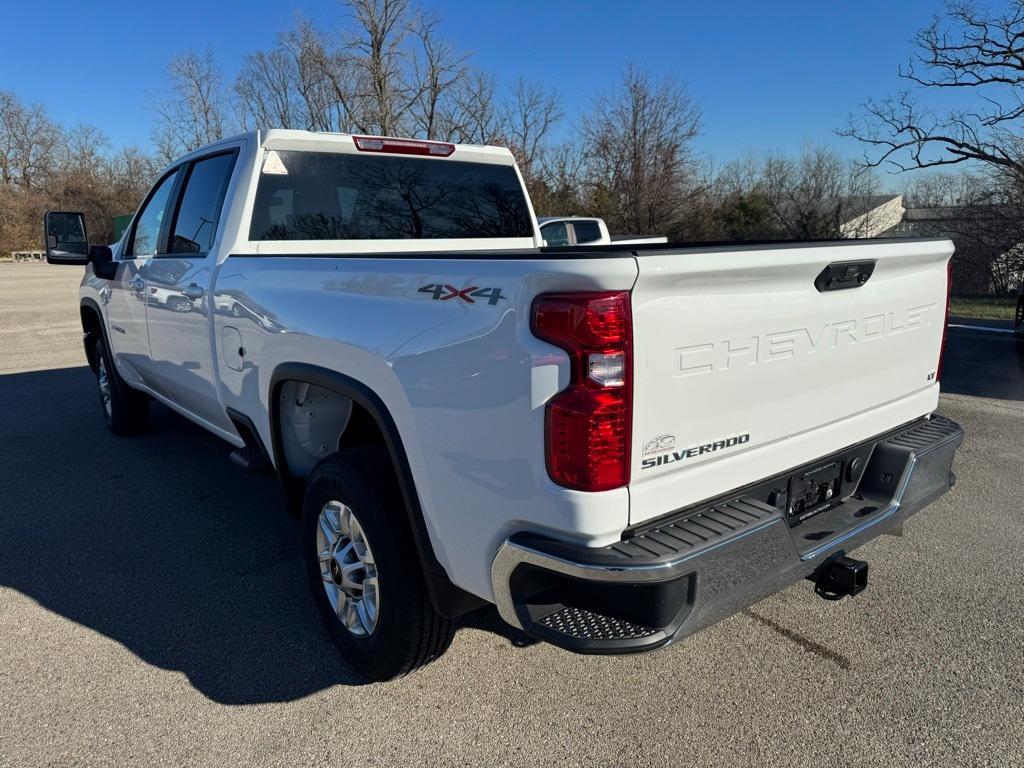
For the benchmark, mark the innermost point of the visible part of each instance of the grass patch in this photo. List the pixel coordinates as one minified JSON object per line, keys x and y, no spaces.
{"x":987,"y":307}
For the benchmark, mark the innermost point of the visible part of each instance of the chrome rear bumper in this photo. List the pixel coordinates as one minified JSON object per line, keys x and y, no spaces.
{"x":700,"y":565}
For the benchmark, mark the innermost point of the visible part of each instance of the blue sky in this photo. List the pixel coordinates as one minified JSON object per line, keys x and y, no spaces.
{"x":768,"y":75}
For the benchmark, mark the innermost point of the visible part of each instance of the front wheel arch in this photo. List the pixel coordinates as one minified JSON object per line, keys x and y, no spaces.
{"x":92,"y":330}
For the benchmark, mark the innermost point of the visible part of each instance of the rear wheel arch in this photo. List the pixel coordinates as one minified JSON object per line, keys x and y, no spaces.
{"x":369,"y":413}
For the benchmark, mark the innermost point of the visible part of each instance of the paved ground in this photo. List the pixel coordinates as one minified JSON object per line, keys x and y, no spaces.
{"x":153,"y":611}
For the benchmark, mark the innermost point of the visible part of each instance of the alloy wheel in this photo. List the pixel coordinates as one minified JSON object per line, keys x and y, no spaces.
{"x":347,"y":568}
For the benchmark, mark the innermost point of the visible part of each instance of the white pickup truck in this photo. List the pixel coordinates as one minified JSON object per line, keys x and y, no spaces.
{"x":587,"y":230}
{"x":616,"y":446}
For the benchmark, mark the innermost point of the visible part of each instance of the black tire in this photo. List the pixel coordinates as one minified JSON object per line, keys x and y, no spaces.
{"x":408,"y":633}
{"x":127,"y":412}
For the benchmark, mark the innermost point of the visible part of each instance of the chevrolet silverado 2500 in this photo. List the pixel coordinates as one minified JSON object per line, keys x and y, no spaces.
{"x":616,"y":446}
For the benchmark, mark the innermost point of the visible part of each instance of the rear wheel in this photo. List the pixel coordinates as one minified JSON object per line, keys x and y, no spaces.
{"x":363,"y":567}
{"x":125,"y":411}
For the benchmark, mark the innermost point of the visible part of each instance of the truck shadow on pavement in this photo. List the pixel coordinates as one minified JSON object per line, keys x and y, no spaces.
{"x":983,"y":363}
{"x":160,"y":543}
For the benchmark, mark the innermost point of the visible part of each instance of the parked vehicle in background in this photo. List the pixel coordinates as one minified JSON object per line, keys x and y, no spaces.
{"x":583,"y":230}
{"x":27,"y":256}
{"x":616,"y":447}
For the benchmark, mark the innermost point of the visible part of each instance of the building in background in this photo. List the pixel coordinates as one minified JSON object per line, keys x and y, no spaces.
{"x":870,"y":215}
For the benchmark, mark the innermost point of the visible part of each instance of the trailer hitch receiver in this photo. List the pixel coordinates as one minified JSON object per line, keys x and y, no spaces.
{"x":839,"y":577}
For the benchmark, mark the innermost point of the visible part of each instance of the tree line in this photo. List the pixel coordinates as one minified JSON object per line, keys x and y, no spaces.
{"x":46,"y":166}
{"x":630,"y":156}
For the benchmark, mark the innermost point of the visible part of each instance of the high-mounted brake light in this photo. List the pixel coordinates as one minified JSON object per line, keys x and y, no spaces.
{"x":403,"y":146}
{"x":945,"y":325}
{"x":588,"y":424}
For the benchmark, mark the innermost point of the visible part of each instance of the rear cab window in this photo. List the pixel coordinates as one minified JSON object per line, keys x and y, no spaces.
{"x":586,"y":232}
{"x":306,"y":195}
{"x":555,"y":233}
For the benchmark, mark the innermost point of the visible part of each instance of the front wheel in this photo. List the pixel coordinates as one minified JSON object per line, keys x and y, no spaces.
{"x":125,"y":411}
{"x":364,"y":570}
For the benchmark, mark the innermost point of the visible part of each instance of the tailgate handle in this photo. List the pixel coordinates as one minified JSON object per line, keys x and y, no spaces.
{"x":844,"y":274}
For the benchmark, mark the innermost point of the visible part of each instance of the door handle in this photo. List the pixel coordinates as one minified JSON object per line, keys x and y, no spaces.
{"x":137,"y":284}
{"x":192,"y":291}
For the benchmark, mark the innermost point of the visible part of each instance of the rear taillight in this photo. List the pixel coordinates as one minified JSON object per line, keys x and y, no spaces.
{"x":403,"y":146}
{"x":588,"y":424}
{"x":945,"y":322}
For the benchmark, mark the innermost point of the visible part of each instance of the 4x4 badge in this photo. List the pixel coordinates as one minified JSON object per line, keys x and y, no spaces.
{"x":445,"y":292}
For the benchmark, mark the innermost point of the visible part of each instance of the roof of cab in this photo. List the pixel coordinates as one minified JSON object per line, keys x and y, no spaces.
{"x":548,"y":219}
{"x":319,"y":141}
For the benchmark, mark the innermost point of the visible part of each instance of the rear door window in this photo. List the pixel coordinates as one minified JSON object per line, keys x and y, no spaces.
{"x":340,"y":196}
{"x":586,"y":232}
{"x":196,"y":221}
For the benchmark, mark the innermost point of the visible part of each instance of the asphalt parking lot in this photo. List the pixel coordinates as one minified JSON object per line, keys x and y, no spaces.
{"x":153,"y":611}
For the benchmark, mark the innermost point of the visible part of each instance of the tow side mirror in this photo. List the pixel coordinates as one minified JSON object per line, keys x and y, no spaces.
{"x":65,"y":238}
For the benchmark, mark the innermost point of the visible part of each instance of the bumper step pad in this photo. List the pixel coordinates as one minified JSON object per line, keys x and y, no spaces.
{"x":581,"y":624}
{"x":696,"y":530}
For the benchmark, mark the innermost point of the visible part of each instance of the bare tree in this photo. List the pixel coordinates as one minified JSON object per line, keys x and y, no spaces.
{"x":734,"y":204}
{"x":29,"y":141}
{"x":533,"y":112}
{"x":266,"y":90}
{"x":557,"y":180}
{"x":381,"y":60}
{"x":193,"y":110}
{"x":941,"y":190}
{"x":820,"y":195}
{"x":473,"y":113}
{"x":390,"y":73}
{"x":639,"y":158}
{"x":437,"y":71}
{"x":965,"y":48}
{"x":313,"y":68}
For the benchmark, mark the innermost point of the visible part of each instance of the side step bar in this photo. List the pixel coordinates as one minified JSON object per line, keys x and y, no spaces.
{"x":251,"y":460}
{"x":252,"y":457}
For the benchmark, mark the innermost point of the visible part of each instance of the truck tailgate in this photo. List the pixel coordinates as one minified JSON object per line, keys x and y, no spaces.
{"x":745,"y":368}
